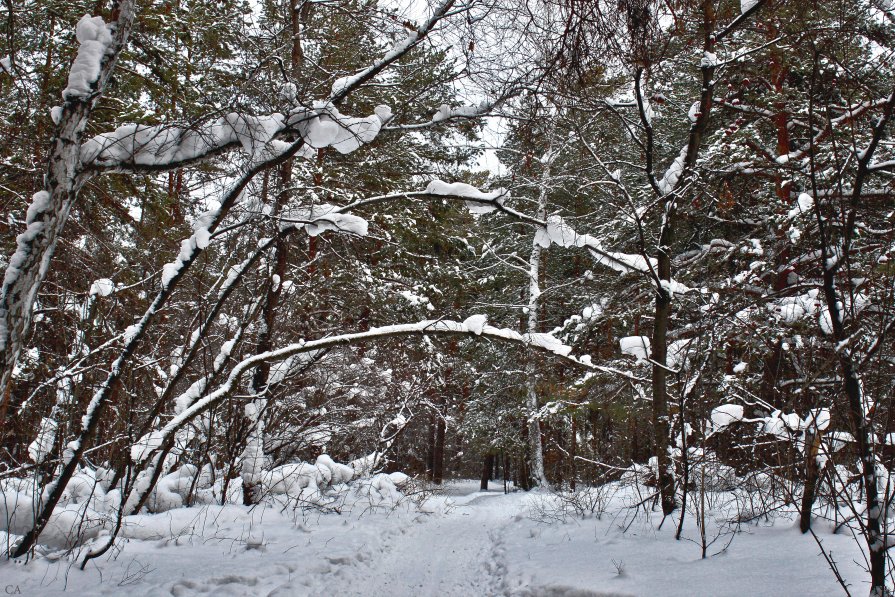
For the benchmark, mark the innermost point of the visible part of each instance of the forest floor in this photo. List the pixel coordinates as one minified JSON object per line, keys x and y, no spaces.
{"x":459,"y":542}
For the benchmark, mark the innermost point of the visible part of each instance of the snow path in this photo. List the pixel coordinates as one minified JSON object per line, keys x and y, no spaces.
{"x":463,"y":542}
{"x":457,"y":554}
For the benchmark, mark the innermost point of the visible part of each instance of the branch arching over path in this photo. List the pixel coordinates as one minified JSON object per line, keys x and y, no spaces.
{"x":542,"y":342}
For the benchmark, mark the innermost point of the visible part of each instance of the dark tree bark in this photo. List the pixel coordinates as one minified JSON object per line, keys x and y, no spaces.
{"x":812,"y":446}
{"x":487,"y":466}
{"x":430,"y":450}
{"x":573,"y":454}
{"x":438,"y":451}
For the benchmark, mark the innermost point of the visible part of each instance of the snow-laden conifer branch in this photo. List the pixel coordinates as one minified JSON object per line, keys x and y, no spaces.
{"x":750,"y":9}
{"x":446,"y":114}
{"x":553,"y":229}
{"x":138,"y":148}
{"x":473,"y":326}
{"x":344,"y":86}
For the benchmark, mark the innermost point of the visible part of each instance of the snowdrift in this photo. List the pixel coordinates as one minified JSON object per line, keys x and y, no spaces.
{"x":90,"y":506}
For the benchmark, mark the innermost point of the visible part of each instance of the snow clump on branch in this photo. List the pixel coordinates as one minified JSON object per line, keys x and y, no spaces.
{"x":94,"y":38}
{"x":325,"y":126}
{"x":320,"y":218}
{"x":478,"y":202}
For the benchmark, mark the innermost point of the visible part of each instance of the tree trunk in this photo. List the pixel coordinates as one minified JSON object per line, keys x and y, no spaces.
{"x":503,"y":473}
{"x":48,"y":214}
{"x":487,"y":465}
{"x":253,"y":459}
{"x":438,"y":453}
{"x":573,"y":454}
{"x":659,"y":348}
{"x":430,"y":451}
{"x":536,"y":448}
{"x":812,"y":446}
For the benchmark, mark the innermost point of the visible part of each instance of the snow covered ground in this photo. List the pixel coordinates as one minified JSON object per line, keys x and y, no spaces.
{"x":461,"y":542}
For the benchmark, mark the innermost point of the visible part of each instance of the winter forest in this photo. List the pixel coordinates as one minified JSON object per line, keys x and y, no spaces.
{"x":459,"y":297}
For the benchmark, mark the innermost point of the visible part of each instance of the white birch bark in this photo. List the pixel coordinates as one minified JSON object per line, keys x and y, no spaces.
{"x":49,"y":209}
{"x":535,"y":445}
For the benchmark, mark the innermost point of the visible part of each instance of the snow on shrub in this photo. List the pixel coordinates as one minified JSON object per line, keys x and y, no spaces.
{"x":726,"y":414}
{"x":88,"y":506}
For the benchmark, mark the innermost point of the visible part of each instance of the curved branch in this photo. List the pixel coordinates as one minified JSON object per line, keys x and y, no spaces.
{"x":542,"y":342}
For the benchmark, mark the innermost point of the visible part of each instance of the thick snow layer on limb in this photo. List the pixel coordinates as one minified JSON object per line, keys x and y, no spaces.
{"x":678,"y":353}
{"x":693,"y":114}
{"x":320,"y":218}
{"x":549,"y":343}
{"x":476,"y":323}
{"x":166,"y":146}
{"x":818,"y":418}
{"x":791,"y":309}
{"x":255,"y":132}
{"x":780,"y":424}
{"x":479,"y":202}
{"x":673,"y":174}
{"x":810,"y":304}
{"x":558,"y":231}
{"x":42,"y":445}
{"x":673,"y":287}
{"x":445,"y":112}
{"x":724,"y":415}
{"x":102,"y":287}
{"x":804,"y":205}
{"x":147,"y":444}
{"x":162,"y":145}
{"x":325,"y":126}
{"x":281,"y":370}
{"x":635,"y":346}
{"x":94,"y":38}
{"x":40,"y":203}
{"x":342,"y":85}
